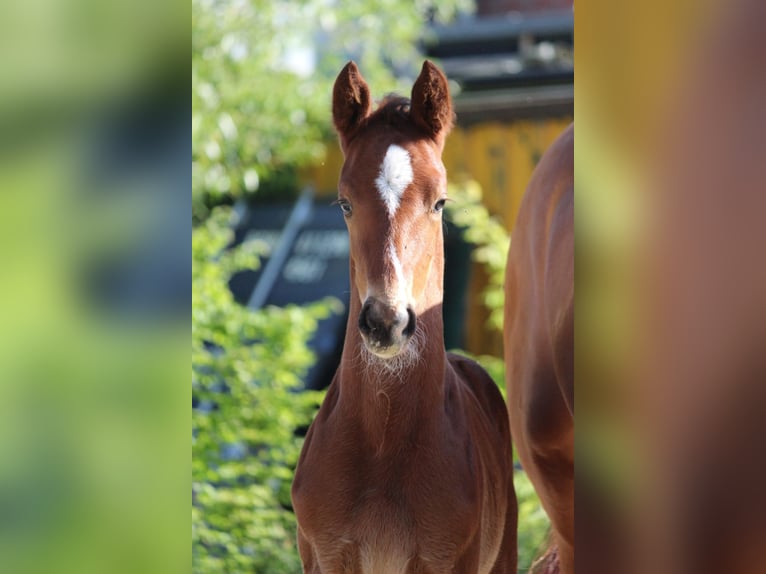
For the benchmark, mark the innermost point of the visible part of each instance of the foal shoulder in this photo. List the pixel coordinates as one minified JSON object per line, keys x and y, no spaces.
{"x":473,"y":378}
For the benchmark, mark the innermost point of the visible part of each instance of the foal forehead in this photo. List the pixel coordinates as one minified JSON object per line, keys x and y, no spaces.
{"x":388,"y":168}
{"x":395,"y":175}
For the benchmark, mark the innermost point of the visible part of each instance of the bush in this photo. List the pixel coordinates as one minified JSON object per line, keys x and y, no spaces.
{"x":246,"y":369}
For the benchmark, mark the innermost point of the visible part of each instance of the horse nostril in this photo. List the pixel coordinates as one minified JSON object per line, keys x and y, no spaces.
{"x":365,"y":324}
{"x":409,"y":330}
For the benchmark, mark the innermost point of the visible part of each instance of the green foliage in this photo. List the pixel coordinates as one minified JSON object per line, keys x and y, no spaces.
{"x":490,"y":239}
{"x":251,"y":117}
{"x":262,"y":74}
{"x":246,"y":367}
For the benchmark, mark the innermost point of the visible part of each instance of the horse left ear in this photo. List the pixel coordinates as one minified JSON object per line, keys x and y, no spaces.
{"x":431,"y":105}
{"x":351,"y":102}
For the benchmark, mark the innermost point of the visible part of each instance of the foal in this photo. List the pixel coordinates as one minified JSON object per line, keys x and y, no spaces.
{"x":539,"y":338}
{"x":407,"y":466}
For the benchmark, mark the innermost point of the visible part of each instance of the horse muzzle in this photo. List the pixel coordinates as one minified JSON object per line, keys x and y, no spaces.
{"x":386,"y":329}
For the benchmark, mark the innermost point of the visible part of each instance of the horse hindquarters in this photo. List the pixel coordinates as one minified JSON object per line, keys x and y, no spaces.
{"x":543,"y":435}
{"x":538,"y":339}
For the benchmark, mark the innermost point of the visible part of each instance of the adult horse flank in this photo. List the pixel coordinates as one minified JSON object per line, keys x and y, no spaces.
{"x":539,"y":341}
{"x":407,"y":466}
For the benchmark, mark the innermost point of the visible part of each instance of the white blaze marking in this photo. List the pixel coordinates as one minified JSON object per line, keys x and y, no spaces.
{"x":394,"y":177}
{"x":397,"y":265}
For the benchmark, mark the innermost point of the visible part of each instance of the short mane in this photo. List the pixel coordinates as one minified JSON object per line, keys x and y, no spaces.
{"x":393,"y":110}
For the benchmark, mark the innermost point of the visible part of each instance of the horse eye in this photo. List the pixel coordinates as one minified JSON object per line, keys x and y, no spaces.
{"x":439,"y":205}
{"x":345,"y":207}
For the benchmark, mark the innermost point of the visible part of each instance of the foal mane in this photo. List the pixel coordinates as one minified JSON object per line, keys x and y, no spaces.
{"x":393,"y":110}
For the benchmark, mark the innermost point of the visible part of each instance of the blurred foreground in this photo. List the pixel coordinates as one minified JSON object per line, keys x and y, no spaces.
{"x":94,"y":287}
{"x":671,"y":287}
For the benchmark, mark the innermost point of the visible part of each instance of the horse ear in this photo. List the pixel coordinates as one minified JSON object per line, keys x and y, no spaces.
{"x":431,"y":106}
{"x":351,"y":102}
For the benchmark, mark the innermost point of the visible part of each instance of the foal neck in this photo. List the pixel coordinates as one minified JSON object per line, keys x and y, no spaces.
{"x":391,"y":399}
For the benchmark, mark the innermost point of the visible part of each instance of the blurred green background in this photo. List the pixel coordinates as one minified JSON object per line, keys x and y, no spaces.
{"x":94,"y":287}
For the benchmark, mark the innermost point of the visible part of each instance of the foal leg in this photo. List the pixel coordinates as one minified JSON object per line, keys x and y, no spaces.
{"x":336,"y":557}
{"x":468,"y":563}
{"x":308,"y":558}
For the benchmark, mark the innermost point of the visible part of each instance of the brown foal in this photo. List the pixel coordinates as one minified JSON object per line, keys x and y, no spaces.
{"x":408,"y":464}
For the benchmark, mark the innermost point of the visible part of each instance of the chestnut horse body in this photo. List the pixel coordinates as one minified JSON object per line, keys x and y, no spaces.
{"x":539,"y":339}
{"x":407,"y":466}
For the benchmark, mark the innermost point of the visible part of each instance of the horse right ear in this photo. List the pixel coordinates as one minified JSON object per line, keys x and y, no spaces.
{"x":351,"y":102}
{"x":431,"y":107}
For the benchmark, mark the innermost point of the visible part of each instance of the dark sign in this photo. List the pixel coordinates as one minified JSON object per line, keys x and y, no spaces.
{"x":314,"y":265}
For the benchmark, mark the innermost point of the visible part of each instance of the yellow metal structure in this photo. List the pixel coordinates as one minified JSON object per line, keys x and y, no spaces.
{"x":501,"y":157}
